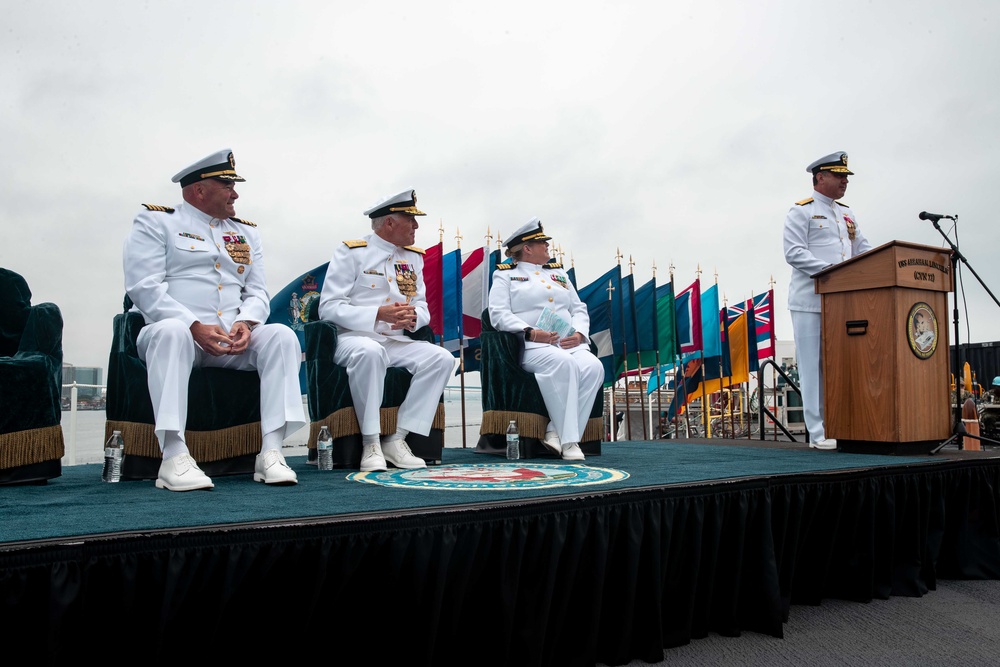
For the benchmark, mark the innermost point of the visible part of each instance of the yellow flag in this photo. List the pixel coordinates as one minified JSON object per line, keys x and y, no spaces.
{"x":739,"y":357}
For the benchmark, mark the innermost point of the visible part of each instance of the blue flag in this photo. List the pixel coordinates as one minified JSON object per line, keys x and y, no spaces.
{"x":291,"y":305}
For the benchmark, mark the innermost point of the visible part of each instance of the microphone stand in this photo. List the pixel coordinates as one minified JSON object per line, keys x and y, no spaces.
{"x":959,"y":430}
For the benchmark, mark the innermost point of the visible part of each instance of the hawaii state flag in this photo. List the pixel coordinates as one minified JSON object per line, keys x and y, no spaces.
{"x":763,"y":310}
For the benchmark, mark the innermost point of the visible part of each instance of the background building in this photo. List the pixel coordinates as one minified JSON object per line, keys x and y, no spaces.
{"x":86,"y":397}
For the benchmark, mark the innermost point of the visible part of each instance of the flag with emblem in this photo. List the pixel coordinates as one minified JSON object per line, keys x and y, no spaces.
{"x":291,"y":307}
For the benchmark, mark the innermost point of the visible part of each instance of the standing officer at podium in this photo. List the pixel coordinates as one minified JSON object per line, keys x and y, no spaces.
{"x":819,"y":232}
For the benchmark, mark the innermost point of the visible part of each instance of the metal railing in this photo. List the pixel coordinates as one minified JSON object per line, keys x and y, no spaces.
{"x":73,"y":406}
{"x":763,"y":411}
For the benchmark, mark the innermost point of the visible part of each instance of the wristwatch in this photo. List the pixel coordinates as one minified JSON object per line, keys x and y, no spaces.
{"x":527,"y":333}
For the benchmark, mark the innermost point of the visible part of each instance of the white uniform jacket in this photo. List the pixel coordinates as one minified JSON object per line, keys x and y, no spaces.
{"x":520,"y":293}
{"x":184,"y":264}
{"x":364,"y":275}
{"x":818,"y":233}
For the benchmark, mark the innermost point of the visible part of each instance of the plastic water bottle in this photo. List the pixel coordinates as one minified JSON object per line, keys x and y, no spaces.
{"x":513,"y":442}
{"x":324,"y":449}
{"x":114,"y":452}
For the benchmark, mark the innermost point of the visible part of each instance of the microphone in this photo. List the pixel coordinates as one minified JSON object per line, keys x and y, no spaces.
{"x":934,"y":217}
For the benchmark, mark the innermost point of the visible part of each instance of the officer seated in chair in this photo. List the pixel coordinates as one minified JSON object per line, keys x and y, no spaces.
{"x":196,"y":273}
{"x":373,"y":292}
{"x":535,"y":298}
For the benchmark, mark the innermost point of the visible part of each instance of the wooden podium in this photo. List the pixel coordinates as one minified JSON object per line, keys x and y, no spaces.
{"x":886,"y":375}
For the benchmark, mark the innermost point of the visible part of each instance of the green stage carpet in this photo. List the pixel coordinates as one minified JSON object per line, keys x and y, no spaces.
{"x":78,"y":503}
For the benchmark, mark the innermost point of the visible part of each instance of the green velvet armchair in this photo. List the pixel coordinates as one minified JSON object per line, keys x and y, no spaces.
{"x":509,"y":392}
{"x":223,"y":425}
{"x":31,"y":437}
{"x":330,"y":402}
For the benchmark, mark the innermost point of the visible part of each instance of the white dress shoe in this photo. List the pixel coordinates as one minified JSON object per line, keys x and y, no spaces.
{"x":571,"y":452}
{"x":398,"y":453}
{"x":551,"y":441}
{"x":271,"y":468}
{"x":825,"y":443}
{"x":372,"y":459}
{"x":181,"y":473}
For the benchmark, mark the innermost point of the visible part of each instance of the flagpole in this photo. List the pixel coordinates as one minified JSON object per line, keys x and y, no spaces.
{"x":461,"y":338}
{"x":621,"y":310}
{"x":638,"y":354}
{"x":611,"y":332}
{"x":656,"y":356}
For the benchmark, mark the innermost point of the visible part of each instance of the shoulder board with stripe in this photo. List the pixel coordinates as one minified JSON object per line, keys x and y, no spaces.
{"x":843,"y":204}
{"x":154,"y":207}
{"x":505,"y":267}
{"x":356,"y":244}
{"x":552,"y":265}
{"x":413,"y":248}
{"x":804,"y":202}
{"x":243,"y":222}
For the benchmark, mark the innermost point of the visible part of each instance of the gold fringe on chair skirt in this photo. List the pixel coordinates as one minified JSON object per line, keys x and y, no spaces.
{"x":345,"y":422}
{"x":34,"y":445}
{"x":532,"y":425}
{"x":205,"y":446}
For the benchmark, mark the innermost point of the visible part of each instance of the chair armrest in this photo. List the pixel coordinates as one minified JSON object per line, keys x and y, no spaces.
{"x":43,"y":332}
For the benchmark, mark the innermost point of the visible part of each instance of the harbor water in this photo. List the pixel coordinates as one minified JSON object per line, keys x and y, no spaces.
{"x":89,"y":437}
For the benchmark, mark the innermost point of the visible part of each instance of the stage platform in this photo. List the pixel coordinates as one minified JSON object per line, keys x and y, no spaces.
{"x":480,"y":562}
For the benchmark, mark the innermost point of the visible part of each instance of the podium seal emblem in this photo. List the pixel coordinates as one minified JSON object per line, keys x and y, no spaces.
{"x":922,"y":330}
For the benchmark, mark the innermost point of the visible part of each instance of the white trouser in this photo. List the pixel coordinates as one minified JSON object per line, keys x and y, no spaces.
{"x":568,"y":380}
{"x":366,"y":360}
{"x":806,"y":327}
{"x":169,"y":350}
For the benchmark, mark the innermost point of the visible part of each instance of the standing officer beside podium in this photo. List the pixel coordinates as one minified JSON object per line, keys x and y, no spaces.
{"x":819,"y":232}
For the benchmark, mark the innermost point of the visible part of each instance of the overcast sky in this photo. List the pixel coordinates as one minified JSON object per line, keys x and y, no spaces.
{"x":677,"y":132}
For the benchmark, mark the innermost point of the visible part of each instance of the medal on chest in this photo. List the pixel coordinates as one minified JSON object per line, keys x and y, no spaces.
{"x":560,"y":280}
{"x":237,"y":247}
{"x":406,"y":279}
{"x":851,"y":228}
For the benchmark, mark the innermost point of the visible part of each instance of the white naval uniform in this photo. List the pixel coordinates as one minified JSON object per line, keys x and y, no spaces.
{"x":568,"y":379}
{"x":178,"y":271}
{"x":816,"y":236}
{"x":363,"y":276}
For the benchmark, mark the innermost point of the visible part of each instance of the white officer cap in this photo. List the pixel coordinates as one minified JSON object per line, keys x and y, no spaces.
{"x":529,"y":231}
{"x":219,"y":165}
{"x":404,"y":202}
{"x":835,"y":162}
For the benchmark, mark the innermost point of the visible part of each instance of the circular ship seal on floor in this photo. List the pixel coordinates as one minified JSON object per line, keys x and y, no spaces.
{"x":506,"y":476}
